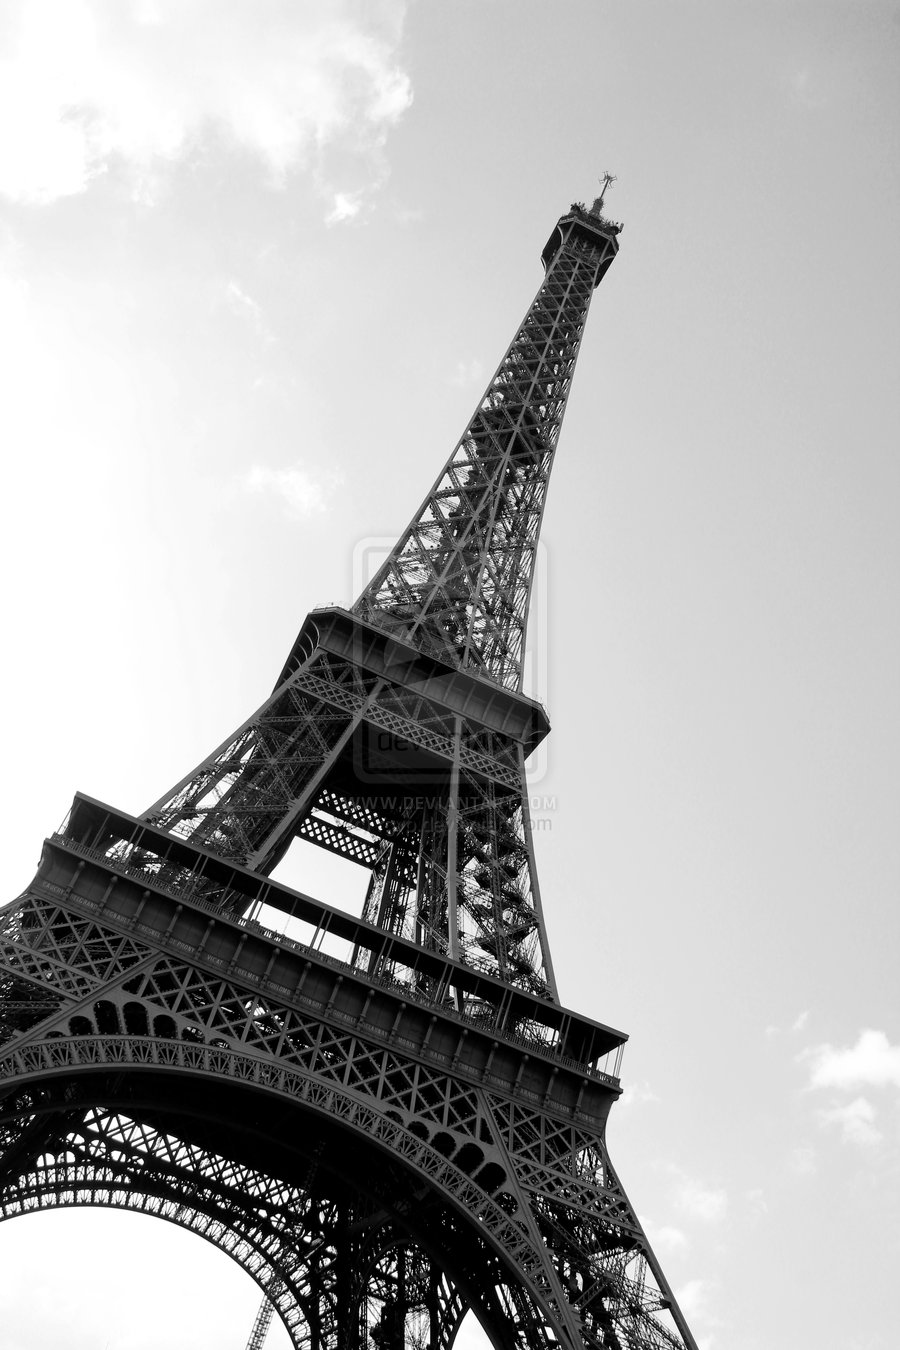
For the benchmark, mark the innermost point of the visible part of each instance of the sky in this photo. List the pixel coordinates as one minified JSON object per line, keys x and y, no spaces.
{"x":257,"y":263}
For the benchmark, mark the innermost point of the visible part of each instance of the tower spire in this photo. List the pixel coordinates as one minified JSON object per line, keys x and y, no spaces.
{"x":458,"y":581}
{"x":606,"y":182}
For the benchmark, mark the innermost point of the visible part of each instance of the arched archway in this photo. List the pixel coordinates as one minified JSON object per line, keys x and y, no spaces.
{"x":351,"y":1253}
{"x":85,"y":1278}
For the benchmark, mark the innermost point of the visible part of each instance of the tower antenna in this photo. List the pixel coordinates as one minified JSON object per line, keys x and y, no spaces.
{"x":606,"y":182}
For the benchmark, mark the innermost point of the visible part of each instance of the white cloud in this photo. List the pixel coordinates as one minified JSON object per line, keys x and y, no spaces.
{"x":804,"y":1161}
{"x":636,"y":1094}
{"x":86,"y":86}
{"x":693,"y":1298}
{"x":799,"y":1022}
{"x":669,"y":1239}
{"x":345,"y":206}
{"x":856,"y":1121}
{"x":872,"y":1062}
{"x":468,"y":372}
{"x":244,"y":306}
{"x":699,"y":1201}
{"x":299,"y":491}
{"x":756,"y":1201}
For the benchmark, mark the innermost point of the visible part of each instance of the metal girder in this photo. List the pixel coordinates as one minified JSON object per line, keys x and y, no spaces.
{"x":389,"y":1132}
{"x":497,"y":1175}
{"x":455,"y":589}
{"x":458,"y":581}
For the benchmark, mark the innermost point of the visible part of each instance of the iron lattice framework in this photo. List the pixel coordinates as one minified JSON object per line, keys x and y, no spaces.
{"x":391,"y":1120}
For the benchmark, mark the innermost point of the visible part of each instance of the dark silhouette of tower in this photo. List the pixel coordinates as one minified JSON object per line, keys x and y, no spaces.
{"x":386,"y":1120}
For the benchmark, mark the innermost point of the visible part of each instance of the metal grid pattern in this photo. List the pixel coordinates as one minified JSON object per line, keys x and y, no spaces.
{"x":552,"y":1227}
{"x":458,"y":581}
{"x":375,"y":1186}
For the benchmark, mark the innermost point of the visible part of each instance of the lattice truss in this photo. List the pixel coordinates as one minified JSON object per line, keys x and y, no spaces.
{"x":444,"y":1193}
{"x":451,"y":861}
{"x":450,"y":858}
{"x":458,"y":581}
{"x":338,"y":1273}
{"x":465,"y":884}
{"x":373,"y":1194}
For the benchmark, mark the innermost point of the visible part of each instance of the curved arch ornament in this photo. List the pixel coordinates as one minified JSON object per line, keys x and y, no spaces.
{"x":490,"y":1212}
{"x":96,"y":1166}
{"x":273,"y":1229}
{"x":386,"y":1120}
{"x":109,"y":1160}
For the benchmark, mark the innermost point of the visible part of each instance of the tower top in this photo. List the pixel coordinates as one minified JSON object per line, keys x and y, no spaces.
{"x":457,"y":583}
{"x":593,"y":214}
{"x":597,"y":204}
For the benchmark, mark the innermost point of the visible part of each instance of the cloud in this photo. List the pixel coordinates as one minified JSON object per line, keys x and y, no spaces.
{"x":799,"y":1022}
{"x":804,"y":1161}
{"x":244,"y":306}
{"x":345,"y":206}
{"x":756,"y":1201}
{"x":90,"y":87}
{"x":468,"y":372}
{"x":699,"y":1201}
{"x":299,"y":491}
{"x":669,"y":1239}
{"x":872,"y":1062}
{"x":693,"y":1298}
{"x":856,"y":1121}
{"x":636,"y":1094}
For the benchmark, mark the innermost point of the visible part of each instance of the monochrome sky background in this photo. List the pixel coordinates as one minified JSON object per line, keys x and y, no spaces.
{"x":257,"y":262}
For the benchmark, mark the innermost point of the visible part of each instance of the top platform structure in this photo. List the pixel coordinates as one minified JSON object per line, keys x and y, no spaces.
{"x":591,"y":226}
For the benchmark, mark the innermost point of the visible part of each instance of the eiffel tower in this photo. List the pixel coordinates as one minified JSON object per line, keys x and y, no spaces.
{"x":391,"y":1120}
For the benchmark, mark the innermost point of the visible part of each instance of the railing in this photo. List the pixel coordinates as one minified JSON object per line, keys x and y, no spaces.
{"x":580,"y":209}
{"x":544,"y":1047}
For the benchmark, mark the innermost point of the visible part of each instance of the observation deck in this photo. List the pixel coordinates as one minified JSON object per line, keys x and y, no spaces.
{"x":591,"y":228}
{"x":140,"y":879}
